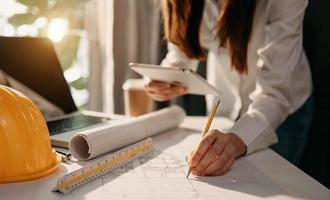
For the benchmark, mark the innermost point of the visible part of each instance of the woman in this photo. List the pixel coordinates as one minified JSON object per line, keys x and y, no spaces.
{"x":255,"y":57}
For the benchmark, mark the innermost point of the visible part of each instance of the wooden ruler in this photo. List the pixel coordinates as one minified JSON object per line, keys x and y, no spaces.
{"x":99,"y":167}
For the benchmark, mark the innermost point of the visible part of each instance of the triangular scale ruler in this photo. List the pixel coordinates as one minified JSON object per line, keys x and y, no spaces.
{"x":102,"y":166}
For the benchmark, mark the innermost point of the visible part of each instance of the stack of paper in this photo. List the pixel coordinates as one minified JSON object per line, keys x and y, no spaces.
{"x":97,"y":141}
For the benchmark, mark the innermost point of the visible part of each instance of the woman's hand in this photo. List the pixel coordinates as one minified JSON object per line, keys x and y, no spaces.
{"x":162,"y":91}
{"x":216,"y":153}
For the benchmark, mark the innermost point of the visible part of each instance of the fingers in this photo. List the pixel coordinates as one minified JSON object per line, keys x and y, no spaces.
{"x":163,"y":87}
{"x":211,"y":156}
{"x":159,"y":97}
{"x":216,"y":154}
{"x":189,"y":157}
{"x":222,"y":164}
{"x":162,"y":91}
{"x":157,"y":84}
{"x":224,"y":170}
{"x":171,"y":90}
{"x":202,"y":148}
{"x":164,"y":96}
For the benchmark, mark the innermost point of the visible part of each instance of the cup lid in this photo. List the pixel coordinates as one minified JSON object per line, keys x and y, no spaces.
{"x":134,"y":84}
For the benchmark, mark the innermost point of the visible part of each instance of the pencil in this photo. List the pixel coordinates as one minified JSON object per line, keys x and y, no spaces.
{"x":207,"y":127}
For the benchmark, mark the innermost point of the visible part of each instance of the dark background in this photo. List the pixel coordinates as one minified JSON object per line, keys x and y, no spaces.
{"x":316,"y":159}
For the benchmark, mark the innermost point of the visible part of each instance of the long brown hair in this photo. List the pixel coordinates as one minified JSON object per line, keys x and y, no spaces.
{"x":182,"y":20}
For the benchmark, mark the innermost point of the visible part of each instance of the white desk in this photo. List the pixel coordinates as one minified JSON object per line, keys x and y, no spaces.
{"x":287,"y":176}
{"x":284,"y":181}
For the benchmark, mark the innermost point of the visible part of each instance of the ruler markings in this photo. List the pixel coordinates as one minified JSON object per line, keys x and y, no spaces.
{"x":88,"y":173}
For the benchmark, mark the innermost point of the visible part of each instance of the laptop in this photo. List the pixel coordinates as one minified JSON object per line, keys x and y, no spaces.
{"x":31,"y":66}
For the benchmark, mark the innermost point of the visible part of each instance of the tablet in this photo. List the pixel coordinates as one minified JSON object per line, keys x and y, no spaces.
{"x":194,"y":83}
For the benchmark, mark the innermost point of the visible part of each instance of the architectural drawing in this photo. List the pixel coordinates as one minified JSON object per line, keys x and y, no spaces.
{"x":153,"y":176}
{"x":161,"y":175}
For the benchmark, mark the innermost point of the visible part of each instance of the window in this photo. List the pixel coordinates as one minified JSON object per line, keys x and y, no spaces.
{"x":62,"y":21}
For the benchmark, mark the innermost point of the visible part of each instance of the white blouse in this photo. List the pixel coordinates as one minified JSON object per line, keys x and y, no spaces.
{"x":278,"y":80}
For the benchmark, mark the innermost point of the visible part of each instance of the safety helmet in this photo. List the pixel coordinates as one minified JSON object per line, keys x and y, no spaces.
{"x":25,"y":150}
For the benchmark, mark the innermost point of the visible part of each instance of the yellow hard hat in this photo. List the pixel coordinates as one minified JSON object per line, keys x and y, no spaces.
{"x":25,"y":150}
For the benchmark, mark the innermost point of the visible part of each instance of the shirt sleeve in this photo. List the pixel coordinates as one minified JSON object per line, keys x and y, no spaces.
{"x":272,"y":100}
{"x":175,"y":57}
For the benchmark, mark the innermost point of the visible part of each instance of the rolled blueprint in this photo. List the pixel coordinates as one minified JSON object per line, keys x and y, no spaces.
{"x":88,"y":144}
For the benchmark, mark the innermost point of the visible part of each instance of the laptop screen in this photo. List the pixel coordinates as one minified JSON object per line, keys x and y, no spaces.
{"x":33,"y":63}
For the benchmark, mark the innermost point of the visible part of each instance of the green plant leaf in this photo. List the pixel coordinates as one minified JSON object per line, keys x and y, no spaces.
{"x":63,"y":8}
{"x":67,"y":50}
{"x":41,"y":4}
{"x":80,"y":84}
{"x":23,"y":18}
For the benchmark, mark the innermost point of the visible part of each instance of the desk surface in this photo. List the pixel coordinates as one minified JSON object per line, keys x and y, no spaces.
{"x":277,"y":178}
{"x":287,"y":176}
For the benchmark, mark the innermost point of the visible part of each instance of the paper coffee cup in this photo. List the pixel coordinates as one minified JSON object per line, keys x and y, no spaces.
{"x":137,"y":101}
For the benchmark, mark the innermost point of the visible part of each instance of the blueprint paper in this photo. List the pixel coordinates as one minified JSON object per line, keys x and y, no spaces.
{"x":88,"y":144}
{"x":161,"y":174}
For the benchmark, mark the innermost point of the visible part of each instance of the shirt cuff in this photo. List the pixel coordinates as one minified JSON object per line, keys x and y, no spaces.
{"x":255,"y":132}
